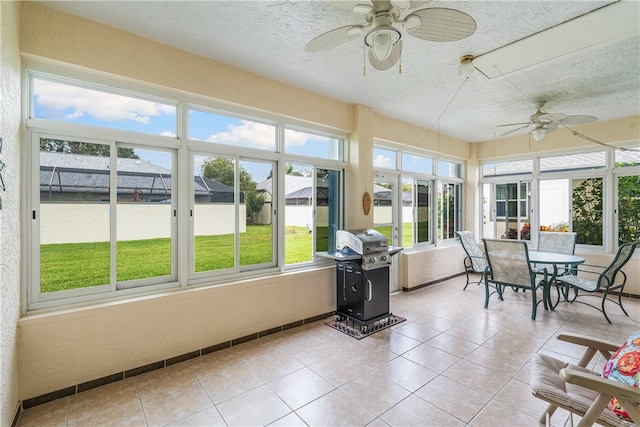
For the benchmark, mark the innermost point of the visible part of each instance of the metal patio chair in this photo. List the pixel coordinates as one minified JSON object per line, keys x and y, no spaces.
{"x":475,"y":261}
{"x":592,"y":282}
{"x":558,"y":242}
{"x":509,"y":266}
{"x":579,"y":390}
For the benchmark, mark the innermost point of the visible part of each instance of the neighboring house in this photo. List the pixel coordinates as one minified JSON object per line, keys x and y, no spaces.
{"x":66,"y":177}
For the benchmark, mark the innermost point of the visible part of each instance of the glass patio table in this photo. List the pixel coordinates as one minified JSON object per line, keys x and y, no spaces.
{"x":569,"y":263}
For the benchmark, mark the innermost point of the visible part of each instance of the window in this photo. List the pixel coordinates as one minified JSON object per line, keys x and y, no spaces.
{"x":101,"y":204}
{"x":417,"y":163}
{"x":80,"y":103}
{"x":506,"y":210}
{"x":627,"y":214}
{"x":384,"y":158}
{"x":313,"y":145}
{"x":573,"y":162}
{"x":416,"y":211}
{"x":231,"y":229}
{"x":514,"y":167}
{"x":105,"y":180}
{"x":628,"y":209}
{"x":449,"y":210}
{"x":227,"y":130}
{"x":313,"y":211}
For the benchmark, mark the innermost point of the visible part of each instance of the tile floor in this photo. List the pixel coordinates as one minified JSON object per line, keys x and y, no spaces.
{"x":451,"y":363}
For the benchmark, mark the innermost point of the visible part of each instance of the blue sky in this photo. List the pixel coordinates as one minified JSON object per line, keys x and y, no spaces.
{"x":73,"y":104}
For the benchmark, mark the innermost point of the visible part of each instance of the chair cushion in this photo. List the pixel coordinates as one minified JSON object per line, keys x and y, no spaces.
{"x":624,"y":367}
{"x":547,"y":385}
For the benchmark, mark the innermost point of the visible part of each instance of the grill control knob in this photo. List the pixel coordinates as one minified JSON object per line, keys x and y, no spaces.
{"x":372,"y":260}
{"x":384,"y":258}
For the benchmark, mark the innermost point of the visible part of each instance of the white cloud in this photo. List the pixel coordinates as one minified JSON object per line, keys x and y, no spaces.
{"x":383,"y":162}
{"x":247,"y":134}
{"x":296,"y":139}
{"x":168,"y":133}
{"x":103,"y":106}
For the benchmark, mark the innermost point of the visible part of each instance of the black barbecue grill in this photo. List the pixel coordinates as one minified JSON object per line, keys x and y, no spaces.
{"x":362,"y":274}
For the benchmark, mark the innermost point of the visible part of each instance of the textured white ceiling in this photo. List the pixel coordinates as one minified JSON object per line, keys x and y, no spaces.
{"x":268,"y":37}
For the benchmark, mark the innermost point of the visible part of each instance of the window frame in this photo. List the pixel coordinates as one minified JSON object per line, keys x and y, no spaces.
{"x":182,"y":148}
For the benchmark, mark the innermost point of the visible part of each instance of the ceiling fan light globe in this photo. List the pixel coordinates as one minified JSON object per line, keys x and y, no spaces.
{"x":538,"y":134}
{"x":381,"y":41}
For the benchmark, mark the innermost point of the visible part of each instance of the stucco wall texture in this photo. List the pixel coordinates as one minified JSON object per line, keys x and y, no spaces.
{"x":10,"y":212}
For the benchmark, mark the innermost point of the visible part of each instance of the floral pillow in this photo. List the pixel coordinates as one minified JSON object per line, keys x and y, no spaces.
{"x":624,"y":367}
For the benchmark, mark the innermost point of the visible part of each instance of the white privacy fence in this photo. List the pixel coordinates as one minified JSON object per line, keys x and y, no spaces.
{"x":89,"y":222}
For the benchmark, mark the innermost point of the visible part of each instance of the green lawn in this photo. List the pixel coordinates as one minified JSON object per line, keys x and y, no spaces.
{"x":82,"y":265}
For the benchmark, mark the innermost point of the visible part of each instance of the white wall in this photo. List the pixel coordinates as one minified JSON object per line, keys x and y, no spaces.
{"x":10,"y":213}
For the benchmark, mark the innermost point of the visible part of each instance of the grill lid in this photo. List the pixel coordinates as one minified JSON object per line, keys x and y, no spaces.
{"x":363,"y":242}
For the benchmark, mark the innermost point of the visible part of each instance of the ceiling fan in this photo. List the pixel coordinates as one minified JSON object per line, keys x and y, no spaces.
{"x":383,"y":20}
{"x":542,"y":123}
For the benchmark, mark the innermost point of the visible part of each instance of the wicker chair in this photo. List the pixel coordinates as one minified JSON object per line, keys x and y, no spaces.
{"x":475,"y":261}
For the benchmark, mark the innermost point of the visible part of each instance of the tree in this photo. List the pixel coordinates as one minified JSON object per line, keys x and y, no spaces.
{"x":587,"y":211}
{"x":88,"y":148}
{"x":222,"y":170}
{"x":628,"y":209}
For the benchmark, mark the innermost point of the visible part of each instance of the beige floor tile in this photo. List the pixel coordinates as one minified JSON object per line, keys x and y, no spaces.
{"x":453,"y":398}
{"x":215,"y":362}
{"x":257,"y":407}
{"x":335,"y":409}
{"x":291,"y":420}
{"x":500,"y":414}
{"x":228,"y":383}
{"x":300,"y":387}
{"x":476,"y":377}
{"x":102,"y":399}
{"x":208,"y":418}
{"x":405,"y":373}
{"x":451,"y":344}
{"x":394,"y":342}
{"x":375,"y":393}
{"x":273,"y":364}
{"x":162,"y":379}
{"x":174,"y":404}
{"x":130,"y":415}
{"x":417,"y":331}
{"x":518,"y":395}
{"x":52,"y":414}
{"x":415,"y":411}
{"x":431,"y":358}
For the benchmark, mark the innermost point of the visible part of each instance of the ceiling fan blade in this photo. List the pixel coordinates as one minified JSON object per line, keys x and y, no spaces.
{"x":514,"y":124}
{"x":443,"y":25}
{"x":551,"y":117}
{"x":393,"y":58}
{"x":578,"y":120}
{"x":333,"y":38}
{"x":514,"y":130}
